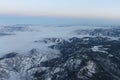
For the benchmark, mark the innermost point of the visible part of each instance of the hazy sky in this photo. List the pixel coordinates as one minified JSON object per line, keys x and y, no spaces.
{"x":16,"y":10}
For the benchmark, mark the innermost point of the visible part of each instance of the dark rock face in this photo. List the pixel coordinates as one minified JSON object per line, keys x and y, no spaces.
{"x":79,"y":62}
{"x":10,"y":55}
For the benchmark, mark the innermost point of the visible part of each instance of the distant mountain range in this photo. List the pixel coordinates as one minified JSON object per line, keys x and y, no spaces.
{"x":59,"y":53}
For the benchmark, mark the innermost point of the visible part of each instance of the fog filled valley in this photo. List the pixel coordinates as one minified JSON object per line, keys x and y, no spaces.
{"x":59,"y":52}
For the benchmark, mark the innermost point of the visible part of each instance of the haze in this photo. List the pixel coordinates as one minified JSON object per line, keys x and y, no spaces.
{"x":60,"y":11}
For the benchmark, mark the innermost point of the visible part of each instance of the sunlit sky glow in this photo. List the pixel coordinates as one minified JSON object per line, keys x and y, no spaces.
{"x":95,"y":9}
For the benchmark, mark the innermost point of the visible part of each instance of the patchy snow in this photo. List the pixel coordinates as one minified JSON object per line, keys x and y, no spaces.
{"x":95,"y":48}
{"x":14,"y":76}
{"x":91,"y":68}
{"x":99,"y":48}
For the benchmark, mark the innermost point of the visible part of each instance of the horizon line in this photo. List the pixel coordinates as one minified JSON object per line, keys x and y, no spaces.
{"x":61,"y":16}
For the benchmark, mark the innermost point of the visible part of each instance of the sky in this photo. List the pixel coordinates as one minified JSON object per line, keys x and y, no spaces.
{"x":60,"y":11}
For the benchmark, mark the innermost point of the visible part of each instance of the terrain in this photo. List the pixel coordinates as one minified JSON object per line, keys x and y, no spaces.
{"x":72,"y":52}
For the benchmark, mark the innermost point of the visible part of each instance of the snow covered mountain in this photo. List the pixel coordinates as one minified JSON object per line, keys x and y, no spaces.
{"x":36,"y":52}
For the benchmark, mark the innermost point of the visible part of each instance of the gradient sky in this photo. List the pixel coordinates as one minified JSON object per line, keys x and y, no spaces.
{"x":67,"y":11}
